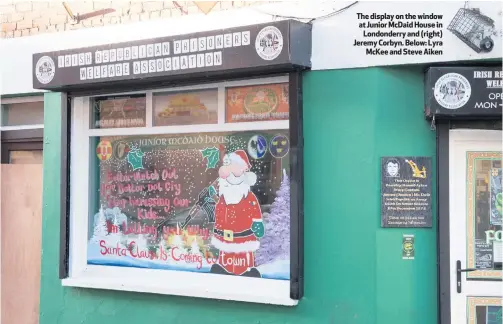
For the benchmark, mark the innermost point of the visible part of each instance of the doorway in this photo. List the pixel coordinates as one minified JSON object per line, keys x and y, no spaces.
{"x":475,"y":223}
{"x":21,"y":130}
{"x":21,"y":225}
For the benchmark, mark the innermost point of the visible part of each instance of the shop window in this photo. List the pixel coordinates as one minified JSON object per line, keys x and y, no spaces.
{"x":186,"y":197}
{"x":484,"y":251}
{"x":21,"y":126}
{"x":25,"y":113}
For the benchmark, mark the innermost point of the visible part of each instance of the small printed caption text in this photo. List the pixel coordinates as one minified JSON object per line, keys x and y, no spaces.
{"x":408,"y":34}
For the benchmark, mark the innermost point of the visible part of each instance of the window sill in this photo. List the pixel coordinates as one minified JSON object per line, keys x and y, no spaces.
{"x":179,"y":283}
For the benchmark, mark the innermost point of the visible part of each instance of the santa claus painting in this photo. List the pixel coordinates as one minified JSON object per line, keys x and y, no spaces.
{"x":238,"y":218}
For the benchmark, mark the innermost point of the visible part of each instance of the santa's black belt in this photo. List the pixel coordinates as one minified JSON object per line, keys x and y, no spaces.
{"x":228,"y":235}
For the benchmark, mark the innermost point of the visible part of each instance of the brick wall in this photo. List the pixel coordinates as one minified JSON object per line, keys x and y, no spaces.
{"x":26,"y":18}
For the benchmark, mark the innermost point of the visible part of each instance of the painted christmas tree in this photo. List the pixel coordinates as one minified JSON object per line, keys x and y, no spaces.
{"x":178,"y":241}
{"x":162,"y":246}
{"x":141,"y":242}
{"x":114,"y":238}
{"x":275,"y":245}
{"x":100,"y":227}
{"x":137,"y":244}
{"x":194,"y":248}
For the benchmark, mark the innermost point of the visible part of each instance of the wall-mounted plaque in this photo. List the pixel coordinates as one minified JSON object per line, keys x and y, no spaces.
{"x":406,"y":192}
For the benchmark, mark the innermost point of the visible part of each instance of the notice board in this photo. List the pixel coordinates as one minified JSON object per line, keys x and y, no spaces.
{"x":406,"y":195}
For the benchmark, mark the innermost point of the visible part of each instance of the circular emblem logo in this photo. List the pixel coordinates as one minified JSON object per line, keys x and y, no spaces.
{"x":104,"y":150}
{"x":121,"y":150}
{"x":269,"y":43}
{"x":279,"y":146}
{"x":45,"y":69}
{"x":452,"y":91}
{"x":257,"y":146}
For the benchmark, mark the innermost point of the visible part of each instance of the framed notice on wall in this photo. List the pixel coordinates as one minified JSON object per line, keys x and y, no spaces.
{"x":406,"y":194}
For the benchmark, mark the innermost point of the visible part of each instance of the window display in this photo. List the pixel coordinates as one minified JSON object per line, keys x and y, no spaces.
{"x":179,"y":146}
{"x":484,"y":215}
{"x":204,"y":202}
{"x":189,"y":203}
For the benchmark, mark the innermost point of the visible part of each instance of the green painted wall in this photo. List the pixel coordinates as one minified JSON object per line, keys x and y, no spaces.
{"x":353,"y":268}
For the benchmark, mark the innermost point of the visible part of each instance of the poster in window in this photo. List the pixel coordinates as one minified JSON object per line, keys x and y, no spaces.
{"x":185,"y":108}
{"x":209,"y":202}
{"x":483,"y":215}
{"x":118,"y":111}
{"x":496,"y":196}
{"x":257,"y":103}
{"x":406,"y":191}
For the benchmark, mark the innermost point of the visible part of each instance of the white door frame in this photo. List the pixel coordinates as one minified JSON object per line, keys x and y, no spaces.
{"x":461,"y":141}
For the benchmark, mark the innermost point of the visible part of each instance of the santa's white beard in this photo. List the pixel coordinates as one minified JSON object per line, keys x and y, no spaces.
{"x":233,"y":194}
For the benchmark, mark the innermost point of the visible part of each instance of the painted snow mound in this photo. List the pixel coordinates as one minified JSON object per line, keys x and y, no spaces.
{"x":94,"y":257}
{"x":279,"y":269}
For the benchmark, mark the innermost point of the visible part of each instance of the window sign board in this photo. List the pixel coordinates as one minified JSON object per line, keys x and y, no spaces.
{"x":242,"y":49}
{"x":257,"y":103}
{"x":406,"y":194}
{"x":463,"y":92}
{"x":185,"y":108}
{"x":119,"y":111}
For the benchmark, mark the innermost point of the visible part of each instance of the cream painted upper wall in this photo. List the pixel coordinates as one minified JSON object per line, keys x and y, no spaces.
{"x":24,"y":18}
{"x":334,"y":38}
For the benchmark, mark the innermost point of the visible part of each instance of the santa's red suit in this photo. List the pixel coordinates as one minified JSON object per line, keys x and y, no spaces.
{"x":233,"y":236}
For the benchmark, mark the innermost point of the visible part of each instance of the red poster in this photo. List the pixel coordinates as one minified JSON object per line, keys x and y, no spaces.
{"x":257,"y":103}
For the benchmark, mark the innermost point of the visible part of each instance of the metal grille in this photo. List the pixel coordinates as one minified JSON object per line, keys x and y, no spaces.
{"x":474,"y":29}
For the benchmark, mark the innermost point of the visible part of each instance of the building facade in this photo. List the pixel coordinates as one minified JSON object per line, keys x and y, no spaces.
{"x":374,"y":181}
